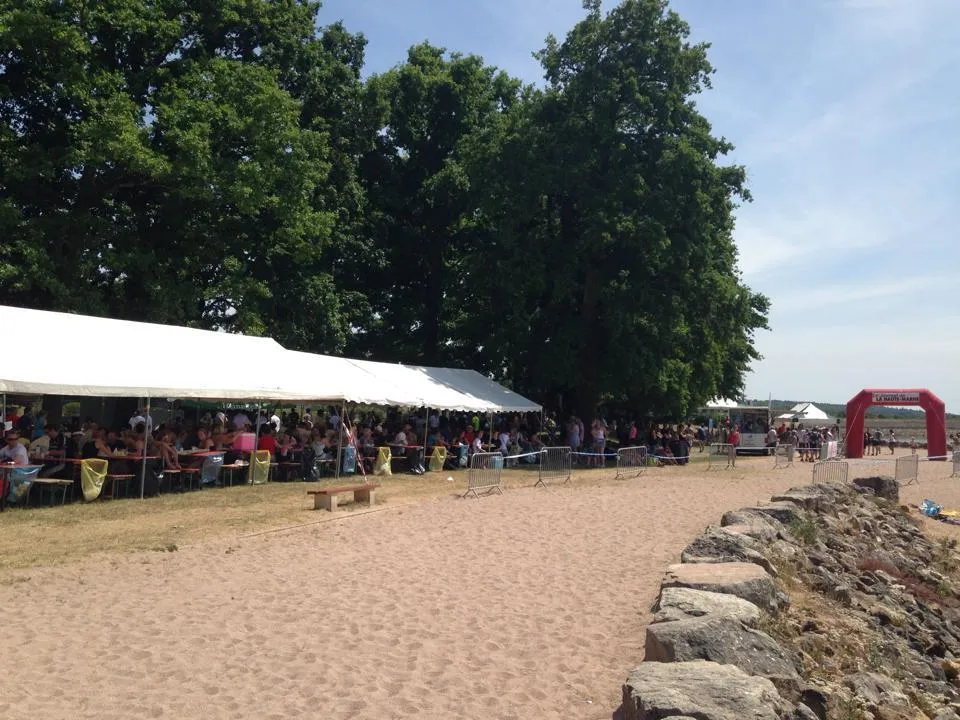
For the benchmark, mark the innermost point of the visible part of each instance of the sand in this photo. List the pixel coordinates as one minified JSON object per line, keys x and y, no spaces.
{"x":531,"y":604}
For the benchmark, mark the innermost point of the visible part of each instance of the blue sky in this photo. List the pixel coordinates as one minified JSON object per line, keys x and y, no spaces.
{"x":846,"y":114}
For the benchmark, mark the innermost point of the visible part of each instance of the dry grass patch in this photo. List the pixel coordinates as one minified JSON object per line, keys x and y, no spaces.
{"x":61,"y":534}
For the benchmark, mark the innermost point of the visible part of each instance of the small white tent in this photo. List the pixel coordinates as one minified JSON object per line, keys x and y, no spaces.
{"x":804,"y":412}
{"x":722,"y":404}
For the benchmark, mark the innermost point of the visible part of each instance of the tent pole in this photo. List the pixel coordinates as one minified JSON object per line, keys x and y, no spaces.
{"x":256,"y":443}
{"x":343,"y":412}
{"x":3,"y":420}
{"x":146,"y":435}
{"x":426,"y":431}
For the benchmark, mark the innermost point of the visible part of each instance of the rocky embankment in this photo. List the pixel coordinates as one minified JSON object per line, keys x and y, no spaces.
{"x":827,"y":602}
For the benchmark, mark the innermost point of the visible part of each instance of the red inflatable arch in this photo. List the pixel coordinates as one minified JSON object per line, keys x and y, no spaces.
{"x":933,"y":406}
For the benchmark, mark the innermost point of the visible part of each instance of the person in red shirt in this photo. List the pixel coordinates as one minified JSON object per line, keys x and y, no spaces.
{"x":734,"y":440}
{"x":267,"y":441}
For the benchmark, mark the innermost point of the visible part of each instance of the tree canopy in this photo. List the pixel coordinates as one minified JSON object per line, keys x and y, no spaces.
{"x":227,"y":165}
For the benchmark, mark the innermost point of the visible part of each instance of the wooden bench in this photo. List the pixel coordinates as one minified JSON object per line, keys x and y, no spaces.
{"x":327,"y":498}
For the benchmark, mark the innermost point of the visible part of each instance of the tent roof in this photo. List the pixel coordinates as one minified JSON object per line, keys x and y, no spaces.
{"x":121,"y":358}
{"x":722,"y":404}
{"x":804,"y":411}
{"x":481,"y":392}
{"x":56,"y":353}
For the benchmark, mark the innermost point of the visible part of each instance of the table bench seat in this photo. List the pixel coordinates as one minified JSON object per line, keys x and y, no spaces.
{"x":327,"y":498}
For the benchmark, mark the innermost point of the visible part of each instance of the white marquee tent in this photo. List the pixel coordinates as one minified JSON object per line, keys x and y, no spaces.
{"x":802,"y":412}
{"x":118,"y":358}
{"x":51,"y":353}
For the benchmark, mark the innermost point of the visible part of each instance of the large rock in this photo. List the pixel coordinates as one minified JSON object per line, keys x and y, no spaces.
{"x":783,"y":512}
{"x":699,"y":689}
{"x":744,"y":580}
{"x":876,"y":689}
{"x":763,"y":532}
{"x":806,"y":499}
{"x":680,"y":603}
{"x":882,"y":485}
{"x":724,"y":640}
{"x":718,"y":546}
{"x":748,"y":516}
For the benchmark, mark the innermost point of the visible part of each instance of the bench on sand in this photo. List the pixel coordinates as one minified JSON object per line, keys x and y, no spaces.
{"x":327,"y":498}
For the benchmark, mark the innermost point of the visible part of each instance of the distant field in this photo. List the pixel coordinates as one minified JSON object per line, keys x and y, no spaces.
{"x":905,"y":428}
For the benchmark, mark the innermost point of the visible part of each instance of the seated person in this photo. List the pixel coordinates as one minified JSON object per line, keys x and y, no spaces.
{"x":163,"y":446}
{"x":435,"y":439}
{"x":666,"y":457}
{"x":285,"y":447}
{"x":46,"y":442}
{"x":13,"y":450}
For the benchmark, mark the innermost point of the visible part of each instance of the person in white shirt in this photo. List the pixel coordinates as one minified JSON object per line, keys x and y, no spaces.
{"x":221,"y":418}
{"x":14,"y":450}
{"x":42,"y":444}
{"x":478,"y":442}
{"x":140,"y":416}
{"x":335,"y":420}
{"x":240,"y":420}
{"x":401,"y":438}
{"x":275,"y":421}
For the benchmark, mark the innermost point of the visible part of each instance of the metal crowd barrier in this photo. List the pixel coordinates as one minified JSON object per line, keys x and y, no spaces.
{"x":484,"y":473}
{"x":907,"y":470}
{"x":720,"y":456}
{"x":830,"y":471}
{"x":783,"y":455}
{"x":631,"y":461}
{"x":555,"y":464}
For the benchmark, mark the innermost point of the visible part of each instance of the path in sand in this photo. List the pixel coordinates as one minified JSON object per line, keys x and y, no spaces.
{"x":528,"y":605}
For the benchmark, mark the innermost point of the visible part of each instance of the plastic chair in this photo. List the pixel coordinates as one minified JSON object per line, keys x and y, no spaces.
{"x":93,"y":473}
{"x":20,"y":480}
{"x":438,"y":459}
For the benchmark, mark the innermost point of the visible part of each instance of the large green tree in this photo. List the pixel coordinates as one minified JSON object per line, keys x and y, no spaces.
{"x":171,"y":159}
{"x":616,"y":274}
{"x":428,"y":113}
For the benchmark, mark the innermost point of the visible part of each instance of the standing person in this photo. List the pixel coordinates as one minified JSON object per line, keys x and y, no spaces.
{"x":573,"y":434}
{"x":599,"y":442}
{"x":892,"y":442}
{"x":734,"y":443}
{"x":913,"y":445}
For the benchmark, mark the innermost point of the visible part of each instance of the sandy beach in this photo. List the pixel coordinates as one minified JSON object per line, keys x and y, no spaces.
{"x":531,"y":604}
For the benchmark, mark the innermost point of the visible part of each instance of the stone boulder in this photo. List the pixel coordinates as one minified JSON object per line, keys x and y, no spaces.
{"x":783,"y":512}
{"x":724,"y":640}
{"x":807,"y":500}
{"x":752,"y":518}
{"x":699,"y":689}
{"x":763,"y":533}
{"x":680,"y":603}
{"x":876,"y":689}
{"x":718,"y":546}
{"x":743,"y":580}
{"x":882,"y":486}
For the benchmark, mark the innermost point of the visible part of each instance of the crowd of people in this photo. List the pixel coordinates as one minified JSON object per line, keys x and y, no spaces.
{"x":311,"y":439}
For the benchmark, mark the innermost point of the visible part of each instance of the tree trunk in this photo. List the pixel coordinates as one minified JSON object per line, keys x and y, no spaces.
{"x":433,"y":305}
